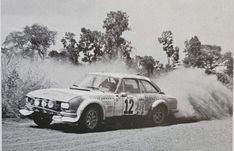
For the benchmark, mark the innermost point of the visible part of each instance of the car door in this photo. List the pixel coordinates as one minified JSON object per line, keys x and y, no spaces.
{"x":129,"y":98}
{"x":151,"y":94}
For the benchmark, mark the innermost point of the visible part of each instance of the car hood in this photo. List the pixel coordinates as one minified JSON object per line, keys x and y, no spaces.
{"x":64,"y":94}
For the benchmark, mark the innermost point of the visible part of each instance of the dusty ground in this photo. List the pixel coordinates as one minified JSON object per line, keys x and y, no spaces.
{"x":215,"y":135}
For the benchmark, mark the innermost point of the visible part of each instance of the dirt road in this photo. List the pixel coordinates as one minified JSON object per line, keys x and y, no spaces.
{"x":215,"y":135}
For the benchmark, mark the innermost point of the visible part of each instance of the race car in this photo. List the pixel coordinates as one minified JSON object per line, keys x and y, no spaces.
{"x":100,"y":96}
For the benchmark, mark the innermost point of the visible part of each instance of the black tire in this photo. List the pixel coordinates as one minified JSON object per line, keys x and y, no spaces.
{"x":90,"y":119}
{"x":42,"y":121}
{"x":158,"y":115}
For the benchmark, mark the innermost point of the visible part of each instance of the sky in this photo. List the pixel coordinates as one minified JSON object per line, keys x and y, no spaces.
{"x":211,"y":20}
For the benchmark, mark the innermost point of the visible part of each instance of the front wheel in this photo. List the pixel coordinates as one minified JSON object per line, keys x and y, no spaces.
{"x":90,"y":119}
{"x":42,"y":121}
{"x":159,"y":115}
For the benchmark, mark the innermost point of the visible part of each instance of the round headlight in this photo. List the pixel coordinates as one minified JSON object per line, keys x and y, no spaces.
{"x":65,"y":105}
{"x":36,"y":102}
{"x":51,"y":104}
{"x":43,"y":103}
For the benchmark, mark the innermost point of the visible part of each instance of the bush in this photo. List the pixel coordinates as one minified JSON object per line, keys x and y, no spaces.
{"x":16,"y":85}
{"x":225,"y":79}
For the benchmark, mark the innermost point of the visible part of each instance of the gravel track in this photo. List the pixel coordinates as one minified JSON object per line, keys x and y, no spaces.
{"x":24,"y":135}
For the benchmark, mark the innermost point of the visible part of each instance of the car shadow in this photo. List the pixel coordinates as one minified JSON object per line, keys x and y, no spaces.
{"x":72,"y":128}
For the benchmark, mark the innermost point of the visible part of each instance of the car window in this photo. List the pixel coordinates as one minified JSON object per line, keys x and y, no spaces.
{"x":131,"y":86}
{"x":109,"y":83}
{"x":148,"y":88}
{"x":101,"y":82}
{"x":142,"y":88}
{"x":120,"y":88}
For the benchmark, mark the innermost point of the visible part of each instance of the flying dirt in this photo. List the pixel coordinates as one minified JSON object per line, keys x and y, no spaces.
{"x":199,"y":95}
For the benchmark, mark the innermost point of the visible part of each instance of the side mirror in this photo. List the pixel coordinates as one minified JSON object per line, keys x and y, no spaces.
{"x":123,"y":94}
{"x":161,"y":92}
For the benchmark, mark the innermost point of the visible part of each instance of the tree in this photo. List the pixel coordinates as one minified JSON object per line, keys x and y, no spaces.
{"x":166,"y":40}
{"x":228,"y":62}
{"x":148,"y":64}
{"x":210,"y":58}
{"x":32,"y":41}
{"x":15,"y":43}
{"x":193,"y":52}
{"x":91,"y":43}
{"x":58,"y":55}
{"x":71,"y":46}
{"x":53,"y":54}
{"x":115,"y":24}
{"x":175,"y":56}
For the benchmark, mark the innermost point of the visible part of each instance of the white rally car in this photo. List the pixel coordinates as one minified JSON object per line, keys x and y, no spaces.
{"x":100,"y":96}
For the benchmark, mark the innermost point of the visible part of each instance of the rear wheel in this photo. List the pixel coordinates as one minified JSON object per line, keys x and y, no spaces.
{"x":90,"y":119}
{"x":41,"y":121}
{"x":159,"y":114}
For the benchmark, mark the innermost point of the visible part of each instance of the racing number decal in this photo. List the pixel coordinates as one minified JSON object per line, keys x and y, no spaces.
{"x":129,"y":103}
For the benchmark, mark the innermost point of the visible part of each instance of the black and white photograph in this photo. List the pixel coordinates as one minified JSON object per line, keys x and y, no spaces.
{"x":117,"y":75}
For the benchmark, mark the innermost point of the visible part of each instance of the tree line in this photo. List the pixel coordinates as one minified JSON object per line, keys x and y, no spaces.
{"x":92,"y":46}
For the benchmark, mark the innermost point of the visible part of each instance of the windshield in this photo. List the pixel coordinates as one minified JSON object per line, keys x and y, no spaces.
{"x":100,"y":82}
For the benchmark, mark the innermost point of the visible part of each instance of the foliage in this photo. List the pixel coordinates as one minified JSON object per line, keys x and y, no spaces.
{"x":115,"y":45}
{"x":91,"y":43}
{"x":193,"y":52}
{"x":166,"y":39}
{"x":227,"y":58}
{"x":175,"y":56}
{"x":148,"y":64}
{"x":201,"y":56}
{"x":58,"y":55}
{"x":116,"y":23}
{"x":71,"y":47}
{"x":210,"y":58}
{"x":32,"y":41}
{"x":15,"y":85}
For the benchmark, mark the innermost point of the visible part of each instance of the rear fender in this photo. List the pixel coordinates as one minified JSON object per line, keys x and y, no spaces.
{"x":158,"y":102}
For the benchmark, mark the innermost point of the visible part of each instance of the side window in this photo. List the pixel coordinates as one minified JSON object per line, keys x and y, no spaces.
{"x":130,"y":86}
{"x":110,"y":84}
{"x":142,"y":88}
{"x":120,"y":89}
{"x":148,"y":88}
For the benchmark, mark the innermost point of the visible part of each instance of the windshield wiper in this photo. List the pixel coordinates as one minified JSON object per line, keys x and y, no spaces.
{"x":95,"y":88}
{"x":75,"y":85}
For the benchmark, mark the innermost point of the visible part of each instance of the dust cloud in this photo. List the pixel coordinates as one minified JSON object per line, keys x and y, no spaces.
{"x":63,"y":74}
{"x":199,"y":95}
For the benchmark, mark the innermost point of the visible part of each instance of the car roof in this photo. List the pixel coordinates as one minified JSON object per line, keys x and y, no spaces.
{"x":121,"y":75}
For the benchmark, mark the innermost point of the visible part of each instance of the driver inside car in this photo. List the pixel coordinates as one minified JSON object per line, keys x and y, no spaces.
{"x":110,"y":84}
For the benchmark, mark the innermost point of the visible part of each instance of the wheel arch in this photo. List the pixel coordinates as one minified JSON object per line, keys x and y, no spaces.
{"x":160,"y":102}
{"x":88,"y":103}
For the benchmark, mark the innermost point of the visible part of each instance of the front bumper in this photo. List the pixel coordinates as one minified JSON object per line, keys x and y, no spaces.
{"x":56,"y":116}
{"x":26,"y":112}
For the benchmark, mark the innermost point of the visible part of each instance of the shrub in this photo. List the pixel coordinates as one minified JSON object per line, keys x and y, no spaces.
{"x":16,"y":85}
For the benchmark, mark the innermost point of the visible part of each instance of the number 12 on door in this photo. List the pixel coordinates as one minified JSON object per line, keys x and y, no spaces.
{"x":129,"y":106}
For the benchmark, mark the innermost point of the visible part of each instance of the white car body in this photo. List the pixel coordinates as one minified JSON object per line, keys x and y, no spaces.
{"x":111,"y":104}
